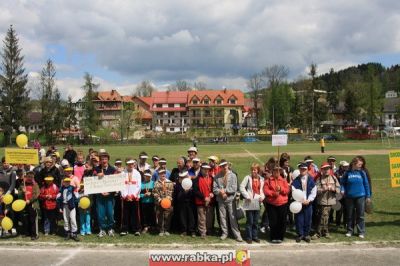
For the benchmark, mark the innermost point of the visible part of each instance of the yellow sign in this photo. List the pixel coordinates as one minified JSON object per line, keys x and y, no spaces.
{"x":22,"y":156}
{"x":394,"y":160}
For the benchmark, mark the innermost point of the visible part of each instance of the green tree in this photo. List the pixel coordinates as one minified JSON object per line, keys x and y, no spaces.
{"x":14,"y":94}
{"x":90,"y":116}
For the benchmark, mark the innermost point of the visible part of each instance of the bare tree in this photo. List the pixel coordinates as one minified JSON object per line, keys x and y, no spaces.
{"x":180,"y":85}
{"x":200,"y":86}
{"x":144,"y":89}
{"x":275,"y":75}
{"x":255,"y":84}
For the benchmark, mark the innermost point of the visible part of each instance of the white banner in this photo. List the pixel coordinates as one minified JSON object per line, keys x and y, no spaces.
{"x":108,"y":183}
{"x":279,"y":140}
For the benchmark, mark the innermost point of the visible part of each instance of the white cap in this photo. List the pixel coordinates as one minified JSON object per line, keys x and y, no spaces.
{"x":344,"y":163}
{"x":196,"y":160}
{"x":147,"y":174}
{"x":64,"y":162}
{"x":130,"y":161}
{"x":162,"y":161}
{"x":192,"y":149}
{"x":102,"y":151}
{"x":143,"y":157}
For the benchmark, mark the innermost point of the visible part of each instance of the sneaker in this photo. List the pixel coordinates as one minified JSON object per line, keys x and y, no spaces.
{"x":256,"y":240}
{"x":161,"y":234}
{"x":46,"y":234}
{"x":82,"y":234}
{"x":33,"y":238}
{"x":13,"y":231}
{"x":111,"y":232}
{"x":348,"y":234}
{"x":89,"y":233}
{"x":203,"y":236}
{"x":145,"y":230}
{"x":166,"y":233}
{"x":183,"y":234}
{"x":274,"y":241}
{"x":75,"y":237}
{"x":262,"y":229}
{"x":327,"y":235}
{"x":102,"y":233}
{"x":137,"y":233}
{"x":123,"y":233}
{"x":315,"y":237}
{"x":307,"y":239}
{"x":278,"y":241}
{"x":223,"y":237}
{"x":298,"y":239}
{"x":239,"y":240}
{"x":361,"y":236}
{"x":193,"y":234}
{"x":67,"y":236}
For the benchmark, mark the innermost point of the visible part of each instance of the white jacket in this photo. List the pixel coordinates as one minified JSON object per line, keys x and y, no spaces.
{"x":132,"y":188}
{"x":246,"y":188}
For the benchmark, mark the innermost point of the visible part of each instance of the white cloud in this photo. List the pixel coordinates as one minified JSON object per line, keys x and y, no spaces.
{"x":223,"y":41}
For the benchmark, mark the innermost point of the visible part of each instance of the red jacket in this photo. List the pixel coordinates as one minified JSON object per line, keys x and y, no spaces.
{"x":270,"y":186}
{"x":202,"y":187}
{"x":52,"y":191}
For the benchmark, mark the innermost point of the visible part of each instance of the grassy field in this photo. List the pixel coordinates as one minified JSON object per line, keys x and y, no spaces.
{"x":382,"y":225}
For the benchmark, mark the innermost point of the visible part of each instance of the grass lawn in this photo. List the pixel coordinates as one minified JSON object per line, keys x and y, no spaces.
{"x":383,"y":224}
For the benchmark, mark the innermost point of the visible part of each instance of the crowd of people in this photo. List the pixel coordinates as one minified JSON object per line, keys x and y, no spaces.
{"x":156,"y":199}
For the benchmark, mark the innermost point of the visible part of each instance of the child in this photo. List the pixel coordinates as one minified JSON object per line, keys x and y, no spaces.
{"x":305,"y":183}
{"x":66,"y":204}
{"x":327,"y":187}
{"x":147,"y":202}
{"x":84,"y":215}
{"x":163,"y":189}
{"x":48,"y":195}
{"x":29,"y":191}
{"x":79,"y":167}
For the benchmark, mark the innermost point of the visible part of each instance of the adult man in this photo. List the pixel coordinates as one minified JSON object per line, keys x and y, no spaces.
{"x":130,"y":196}
{"x":195,"y":170}
{"x":49,"y":170}
{"x":105,"y":201}
{"x":7,"y":177}
{"x":213,"y":162}
{"x":192,"y":152}
{"x":70,"y":154}
{"x":225,"y":187}
{"x":305,"y":183}
{"x":163,"y":166}
{"x":180,"y":166}
{"x":184,"y":203}
{"x":163,"y":189}
{"x":143,"y":165}
{"x":204,"y":200}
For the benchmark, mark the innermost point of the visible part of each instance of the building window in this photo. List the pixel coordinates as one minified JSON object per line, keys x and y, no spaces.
{"x":390,"y":116}
{"x":195,"y":101}
{"x":171,"y":105}
{"x":173,"y":121}
{"x":182,"y":105}
{"x":207,"y":112}
{"x":159,"y":105}
{"x":159,"y":113}
{"x":183,"y":113}
{"x":207,"y":101}
{"x":218,"y":101}
{"x":171,"y":129}
{"x":232,"y":101}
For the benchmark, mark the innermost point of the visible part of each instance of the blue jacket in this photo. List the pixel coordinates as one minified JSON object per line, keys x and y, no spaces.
{"x":155,"y":175}
{"x":71,"y":197}
{"x":310,"y":184}
{"x":355,"y":184}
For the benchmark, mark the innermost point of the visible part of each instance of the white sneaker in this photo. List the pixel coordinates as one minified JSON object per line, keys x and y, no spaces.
{"x":13,"y":231}
{"x":161,"y":234}
{"x":361,"y":236}
{"x":223,"y":237}
{"x":166,"y":233}
{"x":111,"y":232}
{"x":348,"y":234}
{"x":262,"y":229}
{"x":102,"y":233}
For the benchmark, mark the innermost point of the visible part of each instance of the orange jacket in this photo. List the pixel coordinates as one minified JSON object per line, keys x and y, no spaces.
{"x":270,"y":189}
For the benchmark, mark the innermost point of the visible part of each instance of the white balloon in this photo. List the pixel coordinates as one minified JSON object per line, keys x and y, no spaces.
{"x":337,"y":206}
{"x":298,"y":195}
{"x":187,"y":183}
{"x":295,"y":173}
{"x":339,"y":196}
{"x":295,"y":207}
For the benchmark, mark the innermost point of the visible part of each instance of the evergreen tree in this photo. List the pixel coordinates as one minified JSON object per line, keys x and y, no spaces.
{"x":90,"y":117}
{"x":14,"y":94}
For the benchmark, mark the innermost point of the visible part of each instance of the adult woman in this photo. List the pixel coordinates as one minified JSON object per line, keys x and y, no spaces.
{"x":276,"y":190}
{"x":268,"y":166}
{"x":356,"y":189}
{"x":251,"y":189}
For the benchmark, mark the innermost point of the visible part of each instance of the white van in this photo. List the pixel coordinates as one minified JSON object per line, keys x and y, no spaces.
{"x":250,"y":134}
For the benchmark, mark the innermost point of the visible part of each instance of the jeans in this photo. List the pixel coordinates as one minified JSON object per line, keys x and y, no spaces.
{"x":105,"y":212}
{"x":359,"y":205}
{"x":84,"y":217}
{"x":252,"y":224}
{"x":50,"y":220}
{"x":303,"y":220}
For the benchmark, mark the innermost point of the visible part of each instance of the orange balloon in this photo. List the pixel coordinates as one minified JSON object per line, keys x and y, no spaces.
{"x":165,"y":203}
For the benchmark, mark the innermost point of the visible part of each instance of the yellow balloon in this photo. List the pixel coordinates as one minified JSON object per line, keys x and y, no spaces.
{"x":18,"y":205}
{"x":7,"y":223}
{"x":7,"y":199}
{"x":22,"y":140}
{"x":84,"y":203}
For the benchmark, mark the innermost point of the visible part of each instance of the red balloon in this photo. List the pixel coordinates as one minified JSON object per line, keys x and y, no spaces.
{"x":165,"y":203}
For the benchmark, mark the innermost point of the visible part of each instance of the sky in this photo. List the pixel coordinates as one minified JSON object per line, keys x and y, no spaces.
{"x":220,"y":43}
